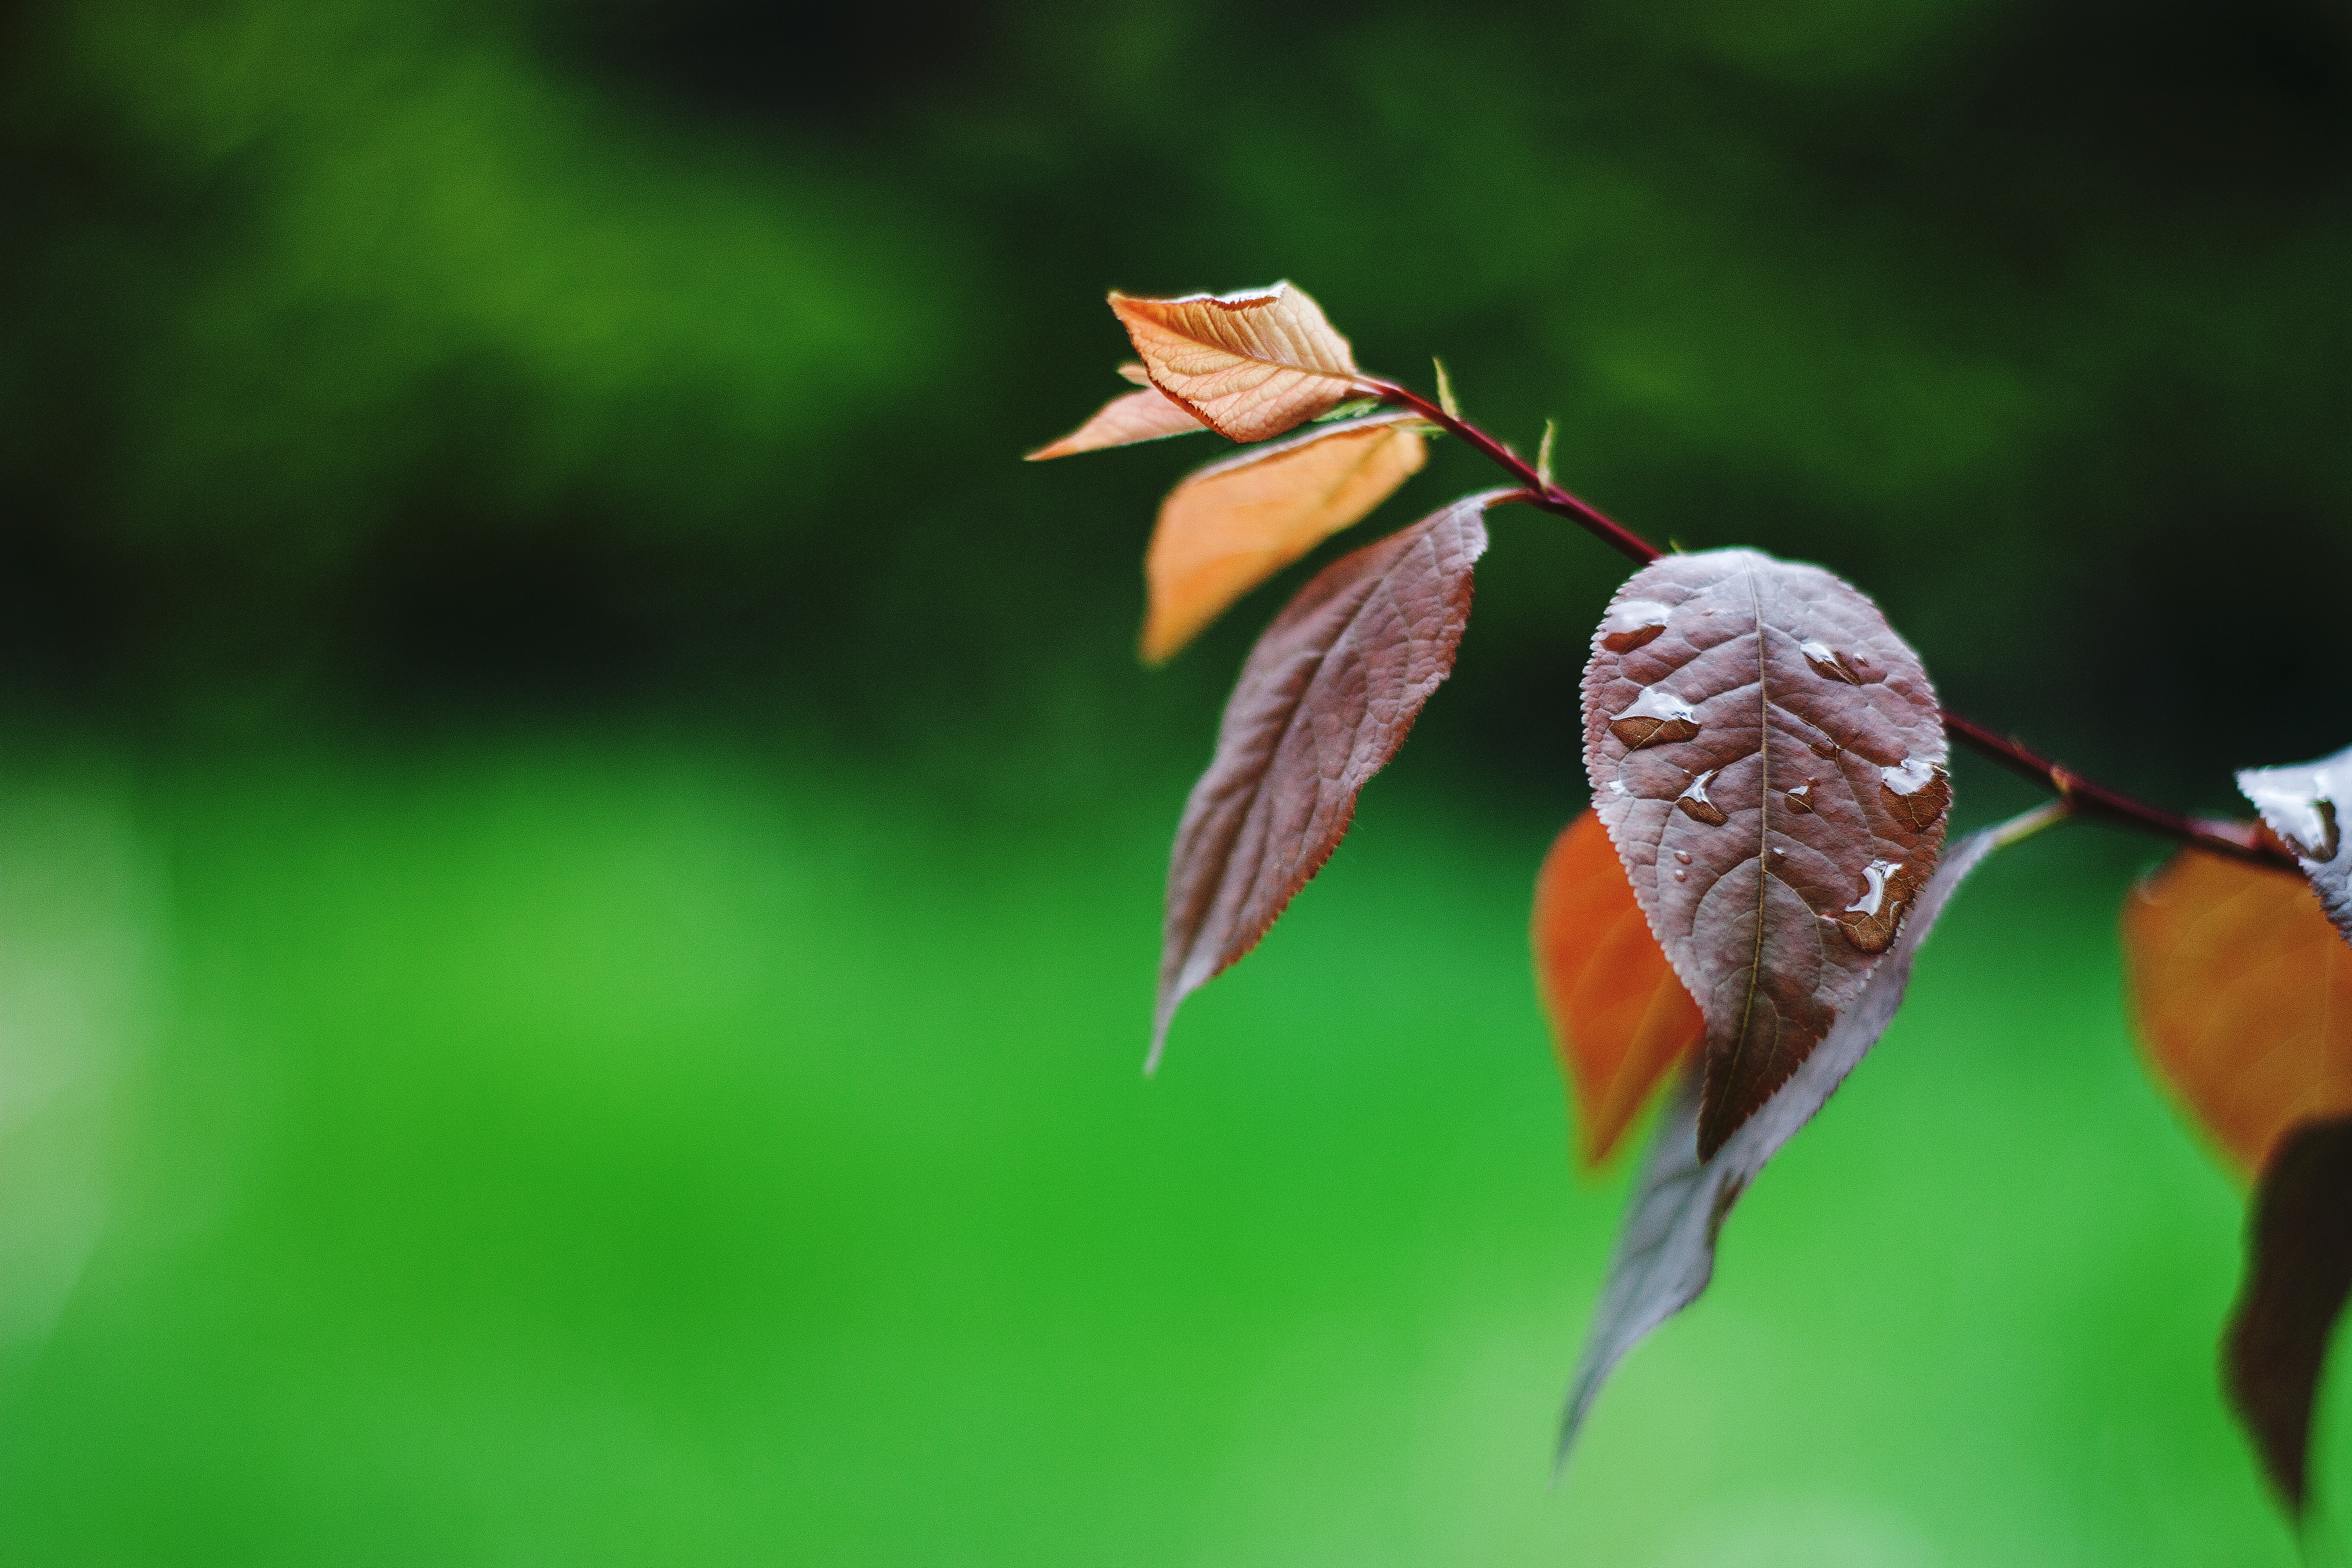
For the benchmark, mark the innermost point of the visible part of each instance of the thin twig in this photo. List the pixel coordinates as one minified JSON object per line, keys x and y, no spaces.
{"x":2083,"y":797}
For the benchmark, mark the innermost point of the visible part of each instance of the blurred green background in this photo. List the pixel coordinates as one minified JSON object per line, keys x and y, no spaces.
{"x":580,"y":843}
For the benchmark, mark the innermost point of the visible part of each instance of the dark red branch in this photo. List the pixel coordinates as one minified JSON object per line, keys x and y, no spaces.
{"x":2082,"y":796}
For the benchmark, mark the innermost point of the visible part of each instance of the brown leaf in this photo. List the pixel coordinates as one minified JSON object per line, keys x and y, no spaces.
{"x":1664,"y":1254}
{"x":1233,"y":524}
{"x":1620,"y":1019}
{"x":1769,"y":759}
{"x":1146,"y":416}
{"x":2303,"y":806}
{"x":2298,"y":1272}
{"x":1251,"y":365}
{"x":2243,"y":994}
{"x":1327,"y":697}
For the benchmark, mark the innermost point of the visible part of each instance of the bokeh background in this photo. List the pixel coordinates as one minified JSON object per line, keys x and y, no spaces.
{"x":580,"y":843}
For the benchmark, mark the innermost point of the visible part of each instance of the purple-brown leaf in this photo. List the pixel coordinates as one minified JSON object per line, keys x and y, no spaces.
{"x":2305,"y":807}
{"x":1769,"y":759}
{"x":1327,"y":697}
{"x":1664,"y":1254}
{"x":2298,"y":1272}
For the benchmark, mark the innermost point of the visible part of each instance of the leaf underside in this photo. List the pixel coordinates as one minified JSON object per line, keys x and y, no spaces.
{"x":1229,"y":527}
{"x":1146,"y":415}
{"x":1620,"y":1018}
{"x":1769,"y":759}
{"x":2241,"y":993}
{"x":1323,"y":702}
{"x":2305,"y":807}
{"x":1250,"y":365}
{"x":1664,"y":1254}
{"x":2299,"y":1270}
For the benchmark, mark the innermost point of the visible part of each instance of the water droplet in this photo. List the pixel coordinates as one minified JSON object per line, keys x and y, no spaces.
{"x":1918,"y":793}
{"x":1653,"y":718}
{"x":1801,"y":799}
{"x":1682,"y":856}
{"x":1617,"y":786}
{"x":1681,"y":876}
{"x":1696,"y":806}
{"x":1631,"y":624}
{"x":1778,"y":850}
{"x":1827,"y":662}
{"x":1871,"y":920}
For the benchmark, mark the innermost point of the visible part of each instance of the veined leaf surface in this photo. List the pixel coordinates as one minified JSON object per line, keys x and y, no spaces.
{"x":2243,"y":993}
{"x":1327,"y":697}
{"x":1620,"y":1018}
{"x":1664,"y":1254}
{"x":1251,"y":365}
{"x":1769,"y":759}
{"x":1229,"y":527}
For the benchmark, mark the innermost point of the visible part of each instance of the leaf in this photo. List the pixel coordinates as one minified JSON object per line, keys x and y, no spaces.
{"x":1664,"y":1254}
{"x":2298,"y":1272}
{"x":1620,"y":1019}
{"x":1327,"y":697}
{"x":2242,"y":996}
{"x":1769,"y":759}
{"x":1231,"y":526}
{"x":1146,"y":416}
{"x":1251,"y":365}
{"x":2302,"y":805}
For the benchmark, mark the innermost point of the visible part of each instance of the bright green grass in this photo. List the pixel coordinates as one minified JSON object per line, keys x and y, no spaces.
{"x":615,"y":1154}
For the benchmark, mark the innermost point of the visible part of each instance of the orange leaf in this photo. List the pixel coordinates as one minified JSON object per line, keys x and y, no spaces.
{"x":2242,"y":994}
{"x":1620,"y":1018}
{"x":1146,"y":416}
{"x":1231,"y":526}
{"x":1251,"y":365}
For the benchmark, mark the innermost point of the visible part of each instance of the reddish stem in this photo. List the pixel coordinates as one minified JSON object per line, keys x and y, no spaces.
{"x":2085,"y":796}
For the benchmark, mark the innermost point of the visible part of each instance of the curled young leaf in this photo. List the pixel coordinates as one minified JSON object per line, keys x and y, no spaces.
{"x":2298,"y":1272}
{"x":1146,"y":416}
{"x":1327,"y":697}
{"x":1768,"y":758}
{"x":1231,"y":526}
{"x":1664,"y":1254}
{"x":2242,"y":994}
{"x":1251,"y":365}
{"x":1620,"y":1018}
{"x":2305,"y":806}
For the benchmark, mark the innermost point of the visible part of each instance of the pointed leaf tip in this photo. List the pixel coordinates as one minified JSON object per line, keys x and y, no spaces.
{"x":2298,"y":1274}
{"x":1326,"y":699}
{"x":1769,"y":760}
{"x":1229,"y":527}
{"x":1251,"y":365}
{"x":1664,"y":1253}
{"x":1620,"y":1018}
{"x":1146,"y":416}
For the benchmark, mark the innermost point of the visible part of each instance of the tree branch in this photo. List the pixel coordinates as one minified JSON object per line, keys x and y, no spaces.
{"x":2081,"y":797}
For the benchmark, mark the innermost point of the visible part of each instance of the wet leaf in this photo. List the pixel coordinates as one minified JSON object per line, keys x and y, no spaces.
{"x":1251,"y":365}
{"x":1767,"y":757}
{"x":1620,"y":1019}
{"x":2298,"y":1272}
{"x":1664,"y":1254}
{"x":1146,"y":416}
{"x":2243,"y":994}
{"x":1231,"y":526}
{"x":1324,"y":701}
{"x":2305,"y":807}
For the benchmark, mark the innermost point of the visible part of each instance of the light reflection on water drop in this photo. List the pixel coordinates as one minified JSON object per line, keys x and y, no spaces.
{"x":1631,"y":624}
{"x":1696,"y":806}
{"x":1918,"y":792}
{"x":1653,"y":718}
